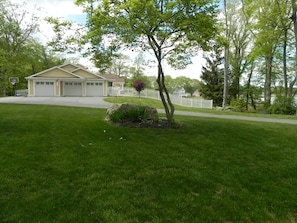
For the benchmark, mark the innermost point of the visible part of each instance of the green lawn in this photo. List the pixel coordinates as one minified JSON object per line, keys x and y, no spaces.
{"x":66,"y":164}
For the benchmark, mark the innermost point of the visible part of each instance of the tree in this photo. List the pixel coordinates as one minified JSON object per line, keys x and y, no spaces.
{"x":239,"y":41}
{"x":265,"y":28}
{"x":182,"y":83}
{"x":139,"y":86}
{"x":119,"y":66}
{"x":294,"y":20}
{"x":171,"y":29}
{"x":191,"y":86}
{"x":212,"y":77}
{"x":17,"y":26}
{"x":226,"y":58}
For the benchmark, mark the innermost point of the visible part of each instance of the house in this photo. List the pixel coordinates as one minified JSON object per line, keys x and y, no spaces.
{"x":67,"y":80}
{"x":116,"y":81}
{"x":115,"y":85}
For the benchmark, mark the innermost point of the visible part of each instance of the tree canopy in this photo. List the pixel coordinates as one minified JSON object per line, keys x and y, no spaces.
{"x":171,"y":29}
{"x":20,"y":53}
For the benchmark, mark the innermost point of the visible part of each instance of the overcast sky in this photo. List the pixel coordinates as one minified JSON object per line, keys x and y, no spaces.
{"x":68,"y":10}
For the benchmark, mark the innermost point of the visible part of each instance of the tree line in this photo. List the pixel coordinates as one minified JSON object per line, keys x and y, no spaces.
{"x":249,"y":45}
{"x":21,"y":53}
{"x":259,"y":49}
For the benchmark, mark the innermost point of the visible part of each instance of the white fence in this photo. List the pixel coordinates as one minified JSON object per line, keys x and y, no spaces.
{"x":21,"y":92}
{"x":154,"y":94}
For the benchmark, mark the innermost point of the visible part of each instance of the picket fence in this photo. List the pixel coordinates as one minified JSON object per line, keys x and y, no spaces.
{"x":154,"y":94}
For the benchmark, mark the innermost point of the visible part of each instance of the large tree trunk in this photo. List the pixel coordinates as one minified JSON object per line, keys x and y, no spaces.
{"x":226,"y":64}
{"x":164,"y":94}
{"x":285,"y":62}
{"x":249,"y":92}
{"x":168,"y":106}
{"x":294,"y":19}
{"x":268,"y":76}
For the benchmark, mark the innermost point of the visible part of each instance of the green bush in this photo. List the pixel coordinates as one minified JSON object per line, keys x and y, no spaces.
{"x":137,"y":114}
{"x":283,"y":105}
{"x":238,"y":105}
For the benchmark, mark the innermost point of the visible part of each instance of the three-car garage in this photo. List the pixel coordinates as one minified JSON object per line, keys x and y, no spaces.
{"x":67,"y":80}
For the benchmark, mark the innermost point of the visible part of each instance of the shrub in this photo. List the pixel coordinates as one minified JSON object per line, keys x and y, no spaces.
{"x":136,"y":114}
{"x":283,"y":105}
{"x":238,"y":105}
{"x":131,"y":113}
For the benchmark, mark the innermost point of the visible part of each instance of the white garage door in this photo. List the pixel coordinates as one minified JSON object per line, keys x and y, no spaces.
{"x":44,"y":88}
{"x":72,"y":89}
{"x":94,"y":89}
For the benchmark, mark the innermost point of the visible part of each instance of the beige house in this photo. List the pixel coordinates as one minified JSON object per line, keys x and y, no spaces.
{"x":116,"y":81}
{"x":67,"y":80}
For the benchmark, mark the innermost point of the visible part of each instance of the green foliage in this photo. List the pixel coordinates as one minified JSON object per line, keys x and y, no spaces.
{"x":168,"y":29}
{"x":191,"y":86}
{"x":283,"y":105}
{"x":238,"y":105}
{"x":20,"y":54}
{"x":212,"y":77}
{"x":136,"y":114}
{"x":166,"y":23}
{"x":181,"y":82}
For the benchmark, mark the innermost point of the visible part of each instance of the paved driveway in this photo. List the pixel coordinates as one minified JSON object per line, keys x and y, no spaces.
{"x":98,"y":102}
{"x":91,"y":102}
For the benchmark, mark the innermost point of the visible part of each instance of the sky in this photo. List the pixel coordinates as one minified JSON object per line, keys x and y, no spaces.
{"x":67,"y":10}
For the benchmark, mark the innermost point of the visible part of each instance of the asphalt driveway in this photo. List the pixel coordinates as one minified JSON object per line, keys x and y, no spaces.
{"x":90,"y":102}
{"x":98,"y":102}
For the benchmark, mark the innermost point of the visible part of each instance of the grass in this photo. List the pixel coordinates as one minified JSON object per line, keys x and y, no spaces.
{"x":158,"y":104}
{"x":66,"y":164}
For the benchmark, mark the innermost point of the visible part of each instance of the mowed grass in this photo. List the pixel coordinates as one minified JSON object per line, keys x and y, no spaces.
{"x":66,"y":164}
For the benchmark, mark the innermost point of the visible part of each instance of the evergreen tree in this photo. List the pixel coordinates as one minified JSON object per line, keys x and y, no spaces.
{"x":212,"y":77}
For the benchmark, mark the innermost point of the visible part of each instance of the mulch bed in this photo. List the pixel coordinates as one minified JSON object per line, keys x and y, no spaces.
{"x":161,"y":124}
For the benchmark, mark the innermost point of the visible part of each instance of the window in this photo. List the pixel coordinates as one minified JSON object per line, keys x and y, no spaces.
{"x":109,"y":84}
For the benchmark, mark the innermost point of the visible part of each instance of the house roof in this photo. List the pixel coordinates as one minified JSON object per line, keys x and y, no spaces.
{"x":114,"y":78}
{"x":66,"y":71}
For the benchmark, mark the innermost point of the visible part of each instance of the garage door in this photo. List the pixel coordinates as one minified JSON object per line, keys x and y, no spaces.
{"x":94,"y":89}
{"x":44,"y":88}
{"x":72,"y":89}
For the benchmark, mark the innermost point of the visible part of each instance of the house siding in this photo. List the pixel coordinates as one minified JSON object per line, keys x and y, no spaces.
{"x":69,"y":67}
{"x":85,"y":74}
{"x":56,"y":73}
{"x":31,"y":87}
